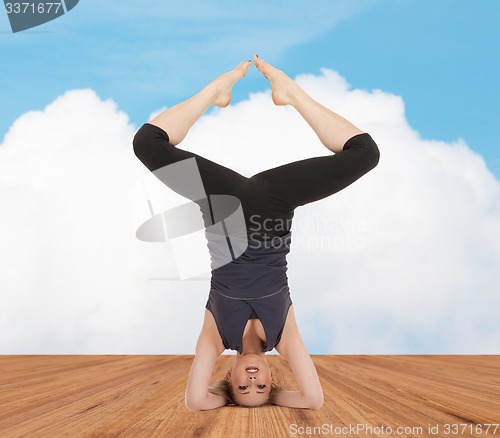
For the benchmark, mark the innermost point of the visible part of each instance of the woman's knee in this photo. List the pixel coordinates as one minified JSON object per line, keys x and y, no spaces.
{"x":151,"y":147}
{"x":366,"y":148}
{"x":373,"y":151}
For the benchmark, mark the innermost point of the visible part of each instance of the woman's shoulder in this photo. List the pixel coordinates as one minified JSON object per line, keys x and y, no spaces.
{"x":290,"y":332}
{"x":210,"y":333}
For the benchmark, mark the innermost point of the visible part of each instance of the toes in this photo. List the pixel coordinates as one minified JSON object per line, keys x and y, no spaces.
{"x":261,"y":63}
{"x":258,"y":63}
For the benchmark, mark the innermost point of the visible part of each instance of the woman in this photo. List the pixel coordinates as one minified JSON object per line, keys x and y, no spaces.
{"x":249,"y":307}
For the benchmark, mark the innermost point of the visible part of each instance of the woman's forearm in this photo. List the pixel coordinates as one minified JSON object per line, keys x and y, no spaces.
{"x":294,"y":399}
{"x":211,"y":401}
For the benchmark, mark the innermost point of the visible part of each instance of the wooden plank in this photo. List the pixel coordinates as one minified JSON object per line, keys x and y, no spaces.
{"x":143,"y":396}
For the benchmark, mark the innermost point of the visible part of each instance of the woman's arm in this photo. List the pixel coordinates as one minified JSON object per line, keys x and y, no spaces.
{"x":292,"y":347}
{"x":197,"y":397}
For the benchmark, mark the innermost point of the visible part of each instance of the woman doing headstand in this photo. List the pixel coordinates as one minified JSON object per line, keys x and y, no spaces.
{"x":249,"y":307}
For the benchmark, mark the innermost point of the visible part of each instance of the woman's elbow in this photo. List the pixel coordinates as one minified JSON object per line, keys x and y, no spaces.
{"x":316,"y":403}
{"x":316,"y":406}
{"x":192,"y":407}
{"x":314,"y":400}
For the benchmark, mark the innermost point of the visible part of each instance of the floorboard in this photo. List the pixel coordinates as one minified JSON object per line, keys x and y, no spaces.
{"x":53,"y":396}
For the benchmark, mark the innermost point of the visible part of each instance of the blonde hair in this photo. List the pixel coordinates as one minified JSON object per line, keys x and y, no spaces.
{"x":223,"y":387}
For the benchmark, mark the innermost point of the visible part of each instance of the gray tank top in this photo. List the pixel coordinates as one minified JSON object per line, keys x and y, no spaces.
{"x":252,"y":286}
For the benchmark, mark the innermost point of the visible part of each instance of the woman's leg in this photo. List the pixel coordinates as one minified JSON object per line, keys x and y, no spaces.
{"x":332,"y":129}
{"x":178,"y":120}
{"x":154,"y":145}
{"x":154,"y":141}
{"x":305,"y":181}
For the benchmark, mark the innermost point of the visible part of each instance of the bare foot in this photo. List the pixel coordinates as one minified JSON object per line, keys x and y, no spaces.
{"x":282,"y":85}
{"x":224,"y":83}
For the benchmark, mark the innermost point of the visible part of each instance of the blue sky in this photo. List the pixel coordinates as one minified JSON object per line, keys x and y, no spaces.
{"x":441,"y":56}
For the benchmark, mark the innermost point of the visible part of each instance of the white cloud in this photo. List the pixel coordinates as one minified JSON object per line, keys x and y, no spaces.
{"x":74,"y":278}
{"x":403,"y":261}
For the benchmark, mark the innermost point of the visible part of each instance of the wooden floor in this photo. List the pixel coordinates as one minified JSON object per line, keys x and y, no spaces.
{"x":143,"y":396}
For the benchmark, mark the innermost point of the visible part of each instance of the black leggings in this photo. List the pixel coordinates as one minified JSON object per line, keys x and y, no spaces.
{"x":268,"y":199}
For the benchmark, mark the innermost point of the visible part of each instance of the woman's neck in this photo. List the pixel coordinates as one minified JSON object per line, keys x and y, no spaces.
{"x":251,"y":343}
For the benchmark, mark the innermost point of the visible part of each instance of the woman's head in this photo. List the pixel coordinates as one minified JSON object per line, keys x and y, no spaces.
{"x":248,"y":383}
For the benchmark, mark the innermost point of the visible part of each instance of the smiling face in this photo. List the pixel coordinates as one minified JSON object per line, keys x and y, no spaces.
{"x":250,"y":379}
